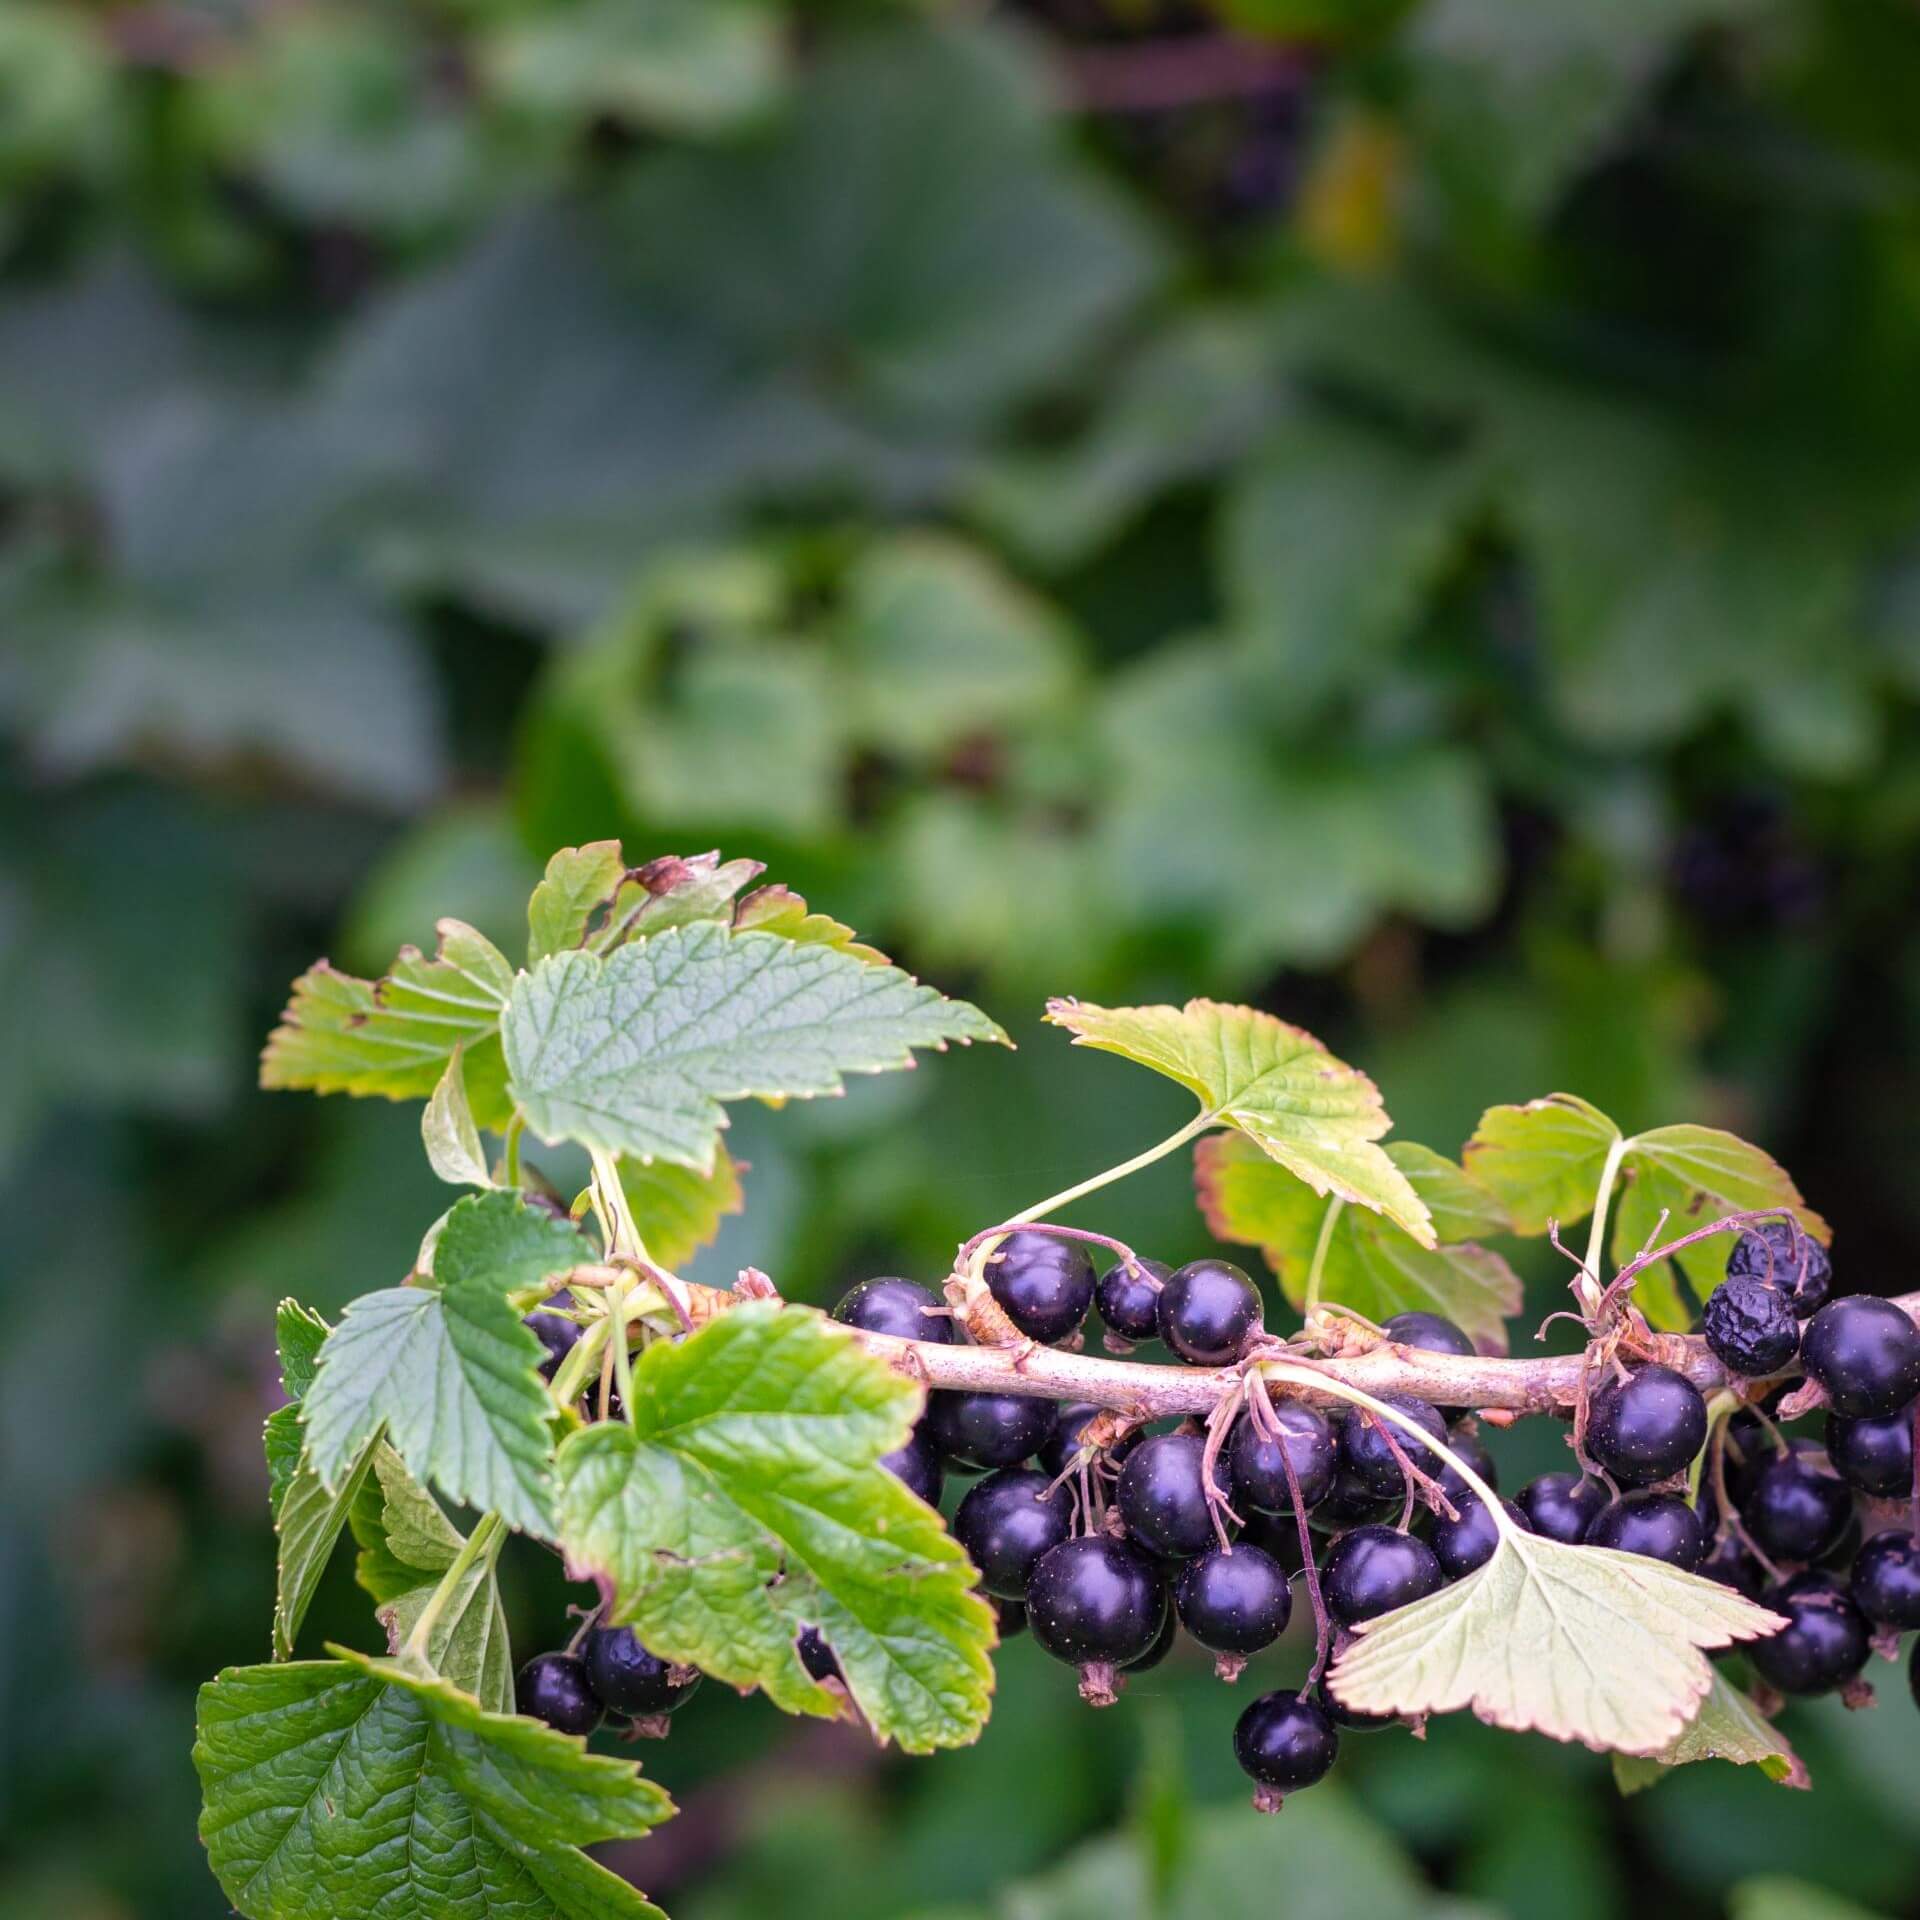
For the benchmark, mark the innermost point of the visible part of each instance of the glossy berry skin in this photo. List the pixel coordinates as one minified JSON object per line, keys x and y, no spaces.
{"x":1647,"y":1426}
{"x":1162,"y":1646}
{"x":554,"y":1687}
{"x":1430,"y":1332}
{"x":1750,"y":1445}
{"x":901,"y":1308}
{"x":1660,"y":1525}
{"x":1044,"y":1284}
{"x":1866,"y":1353}
{"x":1127,"y":1298}
{"x":1472,"y":1450}
{"x":917,"y":1466}
{"x":988,"y":1429}
{"x":1352,"y":1503}
{"x":1796,"y":1509}
{"x":1874,"y":1456}
{"x":629,"y":1679}
{"x":1562,"y":1506}
{"x":1367,"y":1453}
{"x":1285,"y":1741}
{"x":1062,"y":1448}
{"x":1729,"y":1563}
{"x":1277,"y":1535}
{"x":1751,"y":1326}
{"x":1162,"y":1498}
{"x":816,"y":1656}
{"x":1010,"y":1616}
{"x":1255,"y":1466}
{"x":1344,"y":1717}
{"x":1096,"y":1599}
{"x":1886,"y":1581}
{"x":1825,"y":1642}
{"x":1208,"y":1310}
{"x":558,"y":1335}
{"x":1234,"y":1602}
{"x":1372,"y":1570}
{"x":1786,"y":1259}
{"x":1006,"y":1525}
{"x":1465,"y":1544}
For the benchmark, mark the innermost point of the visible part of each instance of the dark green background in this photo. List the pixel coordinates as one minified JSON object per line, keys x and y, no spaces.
{"x":1407,"y":516}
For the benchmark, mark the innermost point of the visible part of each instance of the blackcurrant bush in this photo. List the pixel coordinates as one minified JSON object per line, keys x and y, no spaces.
{"x":988,"y":1429}
{"x":1367,"y":1445}
{"x":1660,"y":1525}
{"x":816,"y":1656}
{"x":1797,"y":1509}
{"x":1007,"y":1522}
{"x":1430,"y":1332}
{"x":1062,"y":1448}
{"x":1466,"y":1543}
{"x":1646,"y":1427}
{"x":1208,"y":1311}
{"x":1785,"y":1257}
{"x":1284,"y":1742}
{"x":1010,"y":1616}
{"x":1886,"y":1581}
{"x":1751,"y":1326}
{"x":1562,"y":1506}
{"x":1163,"y":1499}
{"x":1824,"y":1643}
{"x":1096,"y":1600}
{"x":917,"y":1466}
{"x":1372,"y":1570}
{"x":1733,"y":1566}
{"x":1255,"y":1465}
{"x":1127,"y":1298}
{"x":1044,"y":1284}
{"x":555,"y":1687}
{"x":629,"y":1679}
{"x":1866,"y":1353}
{"x":558,"y":1334}
{"x":901,"y":1308}
{"x":1233,"y":1603}
{"x":1875,"y":1456}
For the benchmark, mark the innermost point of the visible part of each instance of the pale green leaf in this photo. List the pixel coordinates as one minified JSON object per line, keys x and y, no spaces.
{"x":1542,"y":1161}
{"x":448,"y":1132}
{"x":672,"y":892}
{"x":1461,"y":1208}
{"x":579,"y":882}
{"x":1776,"y":1897}
{"x":1318,"y":1117}
{"x":1727,"y":1727}
{"x":746,"y":1501}
{"x":635,"y":1052}
{"x":780,"y":910}
{"x":679,"y":1209}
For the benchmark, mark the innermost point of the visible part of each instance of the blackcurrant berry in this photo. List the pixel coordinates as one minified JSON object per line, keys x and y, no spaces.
{"x":1063,"y":1444}
{"x":1733,"y":1566}
{"x":988,"y":1429}
{"x":1208,"y":1311}
{"x":1233,"y":1603}
{"x":1751,"y":1326}
{"x":1163,"y":1499}
{"x":1284,"y":1742}
{"x":1345,"y":1718}
{"x":558,"y":1334}
{"x":1562,"y":1506}
{"x":1472,"y":1449}
{"x":1127,"y":1298}
{"x":1372,"y":1570}
{"x":1646,"y":1427}
{"x":1367,"y":1445}
{"x":555,"y":1687}
{"x":1886,"y":1581}
{"x":901,"y":1308}
{"x":1044,"y":1284}
{"x":1277,"y":1535}
{"x":1255,"y":1465}
{"x":1783,"y":1255}
{"x":1797,"y":1509}
{"x":1750,"y":1445}
{"x":1162,"y":1646}
{"x":1866,"y":1353}
{"x":1010,"y":1616}
{"x":1095,"y":1600}
{"x":816,"y":1656}
{"x":631,"y":1680}
{"x":1466,"y":1543}
{"x":1352,"y":1503}
{"x":1660,"y":1525}
{"x":917,"y":1466}
{"x":1824,"y":1643}
{"x":1006,"y":1523}
{"x":1430,"y":1332}
{"x":1875,"y":1456}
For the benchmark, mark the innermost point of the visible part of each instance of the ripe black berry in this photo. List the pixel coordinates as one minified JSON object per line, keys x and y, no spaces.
{"x":1344,"y":1717}
{"x":897,"y":1307}
{"x":629,"y":1679}
{"x":1660,"y":1525}
{"x":988,"y":1429}
{"x":1824,"y":1643}
{"x":1285,"y":1742}
{"x":1010,"y":1616}
{"x":1367,"y":1445}
{"x":1876,"y":1456}
{"x":1733,"y":1566}
{"x":1233,"y":1603}
{"x":1372,"y":1570}
{"x":1096,"y":1600}
{"x":1647,"y":1426}
{"x":1162,"y":1497}
{"x":1352,"y":1503}
{"x":1127,"y":1298}
{"x":1430,"y":1332}
{"x":1466,"y":1543}
{"x":816,"y":1656}
{"x":1751,"y":1326}
{"x":1063,"y":1444}
{"x":1277,"y":1535}
{"x":1782,"y":1254}
{"x":1208,"y":1310}
{"x":1162,"y":1646}
{"x":1562,"y":1506}
{"x":1254,"y":1460}
{"x":1886,"y":1581}
{"x":558,"y":1334}
{"x":1866,"y":1353}
{"x":554,"y":1687}
{"x":917,"y":1466}
{"x":1006,"y":1525}
{"x":1751,"y":1443}
{"x":1044,"y":1284}
{"x":1797,"y":1509}
{"x":1472,"y":1450}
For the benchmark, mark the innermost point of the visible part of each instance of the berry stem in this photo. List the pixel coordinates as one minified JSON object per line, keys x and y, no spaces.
{"x":1171,"y":1144}
{"x":482,"y":1542}
{"x":1588,"y":1285}
{"x":1328,"y":1221}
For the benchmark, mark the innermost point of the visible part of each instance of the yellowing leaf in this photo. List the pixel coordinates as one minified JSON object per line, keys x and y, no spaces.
{"x":1543,"y":1161}
{"x":448,"y":1132}
{"x":780,"y":910}
{"x":1727,"y":1727}
{"x":679,"y":1209}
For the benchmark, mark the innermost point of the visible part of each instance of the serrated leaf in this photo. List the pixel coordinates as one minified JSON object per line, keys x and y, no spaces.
{"x":448,"y":1132}
{"x":1318,"y":1117}
{"x":1371,"y":1266}
{"x":300,"y":1333}
{"x":673,"y":892}
{"x":746,"y":1501}
{"x":1541,"y":1161}
{"x":366,"y":1787}
{"x":1727,"y":1727}
{"x":451,"y":1371}
{"x":1579,"y":1643}
{"x":780,"y":910}
{"x":579,"y":882}
{"x":679,"y":1209}
{"x":634,"y":1053}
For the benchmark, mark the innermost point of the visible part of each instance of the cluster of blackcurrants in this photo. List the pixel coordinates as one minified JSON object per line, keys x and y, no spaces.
{"x":611,"y":1672}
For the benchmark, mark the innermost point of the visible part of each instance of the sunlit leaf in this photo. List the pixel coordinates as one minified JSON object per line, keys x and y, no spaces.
{"x":1542,"y":1161}
{"x":1727,"y":1727}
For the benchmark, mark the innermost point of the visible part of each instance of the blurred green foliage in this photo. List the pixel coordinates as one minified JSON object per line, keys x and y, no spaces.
{"x":1410,"y":515}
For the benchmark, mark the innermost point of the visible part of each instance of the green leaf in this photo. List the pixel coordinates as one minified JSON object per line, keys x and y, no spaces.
{"x":1542,"y":1161}
{"x":780,"y":910}
{"x":579,"y":882}
{"x":1777,"y":1897}
{"x":1318,"y":1117}
{"x":1371,"y":1266}
{"x":451,"y":1371}
{"x":366,"y":1787}
{"x":448,"y":1132}
{"x":672,"y":892}
{"x":300,"y":1334}
{"x":1727,"y":1727}
{"x":679,"y":1209}
{"x":635,"y":1052}
{"x":746,"y":1501}
{"x":1578,"y":1643}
